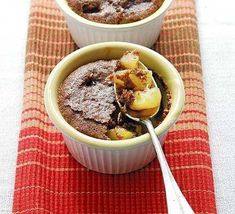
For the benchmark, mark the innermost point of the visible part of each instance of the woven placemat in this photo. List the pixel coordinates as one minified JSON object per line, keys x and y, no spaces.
{"x":49,"y":180}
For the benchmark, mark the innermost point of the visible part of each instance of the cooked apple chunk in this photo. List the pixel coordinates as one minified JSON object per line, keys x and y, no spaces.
{"x":119,"y":133}
{"x":136,"y":79}
{"x":130,"y":60}
{"x":141,"y":79}
{"x":150,"y":98}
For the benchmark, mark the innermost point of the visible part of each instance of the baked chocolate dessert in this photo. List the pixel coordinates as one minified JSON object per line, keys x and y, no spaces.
{"x":115,"y":11}
{"x":87,"y":101}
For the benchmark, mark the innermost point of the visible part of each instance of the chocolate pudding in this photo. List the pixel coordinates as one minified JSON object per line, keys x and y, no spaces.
{"x":87,"y":101}
{"x":115,"y":11}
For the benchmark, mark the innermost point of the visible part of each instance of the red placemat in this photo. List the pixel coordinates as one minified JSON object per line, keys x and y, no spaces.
{"x":49,"y":180}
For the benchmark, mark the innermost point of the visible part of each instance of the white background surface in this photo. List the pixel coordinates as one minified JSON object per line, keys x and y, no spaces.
{"x":217,"y":35}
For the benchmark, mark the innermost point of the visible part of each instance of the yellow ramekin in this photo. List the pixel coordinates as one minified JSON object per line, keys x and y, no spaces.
{"x":109,"y":156}
{"x":85,"y":32}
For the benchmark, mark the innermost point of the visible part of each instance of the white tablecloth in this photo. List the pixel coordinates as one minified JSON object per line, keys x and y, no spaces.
{"x":217,"y":35}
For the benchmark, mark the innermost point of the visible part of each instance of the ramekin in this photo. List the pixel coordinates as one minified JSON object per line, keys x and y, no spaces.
{"x":107,"y":156}
{"x":85,"y":32}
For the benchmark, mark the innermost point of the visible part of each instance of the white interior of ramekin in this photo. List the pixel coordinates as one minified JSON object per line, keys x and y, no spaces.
{"x":67,"y":10}
{"x":113,"y":50}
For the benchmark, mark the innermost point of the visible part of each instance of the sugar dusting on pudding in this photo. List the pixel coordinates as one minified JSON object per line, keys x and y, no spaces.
{"x":87,"y":101}
{"x":115,"y":11}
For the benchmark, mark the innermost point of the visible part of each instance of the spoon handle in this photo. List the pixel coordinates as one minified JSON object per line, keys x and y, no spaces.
{"x":176,"y":202}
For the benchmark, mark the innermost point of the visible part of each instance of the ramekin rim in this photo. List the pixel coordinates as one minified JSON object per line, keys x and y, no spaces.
{"x":66,"y":9}
{"x":72,"y":133}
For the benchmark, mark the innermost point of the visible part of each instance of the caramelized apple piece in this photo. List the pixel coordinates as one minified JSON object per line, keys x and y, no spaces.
{"x":130,"y":60}
{"x":141,"y":79}
{"x":119,"y":78}
{"x":119,"y":133}
{"x":118,"y":82}
{"x":137,"y":79}
{"x":151,"y":98}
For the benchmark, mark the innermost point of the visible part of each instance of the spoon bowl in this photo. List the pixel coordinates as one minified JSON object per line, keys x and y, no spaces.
{"x":141,"y":66}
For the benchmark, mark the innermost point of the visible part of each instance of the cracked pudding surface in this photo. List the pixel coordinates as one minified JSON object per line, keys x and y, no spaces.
{"x":115,"y":11}
{"x":86,"y":99}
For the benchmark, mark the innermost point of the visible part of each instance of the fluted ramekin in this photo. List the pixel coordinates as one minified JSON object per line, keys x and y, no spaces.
{"x":107,"y":156}
{"x":85,"y":32}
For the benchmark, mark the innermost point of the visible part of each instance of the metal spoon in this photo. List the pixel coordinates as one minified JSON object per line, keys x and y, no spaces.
{"x":176,"y":202}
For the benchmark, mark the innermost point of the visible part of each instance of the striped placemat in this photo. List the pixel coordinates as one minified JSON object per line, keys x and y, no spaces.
{"x":49,"y":180}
